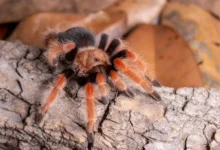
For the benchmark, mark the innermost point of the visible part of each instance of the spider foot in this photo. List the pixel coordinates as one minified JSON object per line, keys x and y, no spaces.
{"x":104,"y":100}
{"x":156,"y":83}
{"x":38,"y":118}
{"x":128,"y":93}
{"x":90,"y":138}
{"x":156,"y":96}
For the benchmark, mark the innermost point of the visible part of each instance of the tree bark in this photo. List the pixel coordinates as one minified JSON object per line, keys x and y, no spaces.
{"x":187,"y":118}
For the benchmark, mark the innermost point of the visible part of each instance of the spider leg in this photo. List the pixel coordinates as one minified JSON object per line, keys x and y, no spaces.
{"x":120,"y":84}
{"x":143,"y":67}
{"x":59,"y":85}
{"x":89,"y":90}
{"x":55,"y":48}
{"x":103,"y":42}
{"x":121,"y":66}
{"x":100,"y":79}
{"x":139,"y":63}
{"x":113,"y":46}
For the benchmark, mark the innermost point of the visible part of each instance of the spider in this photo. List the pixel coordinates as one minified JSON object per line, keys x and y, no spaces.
{"x":90,"y":65}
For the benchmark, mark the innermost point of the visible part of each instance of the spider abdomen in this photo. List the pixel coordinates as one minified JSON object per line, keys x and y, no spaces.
{"x":82,"y":37}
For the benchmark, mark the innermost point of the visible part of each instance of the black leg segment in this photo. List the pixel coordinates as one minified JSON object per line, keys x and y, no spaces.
{"x":112,"y":47}
{"x":121,"y":54}
{"x":103,"y":42}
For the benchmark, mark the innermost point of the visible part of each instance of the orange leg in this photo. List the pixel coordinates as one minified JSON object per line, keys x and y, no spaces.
{"x":100,"y":79}
{"x":56,"y":48}
{"x":89,"y":89}
{"x":143,"y":67}
{"x":119,"y":84}
{"x":121,"y":66}
{"x":59,"y":85}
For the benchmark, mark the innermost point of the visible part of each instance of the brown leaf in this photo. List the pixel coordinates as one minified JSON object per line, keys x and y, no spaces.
{"x":201,"y":30}
{"x":168,"y":54}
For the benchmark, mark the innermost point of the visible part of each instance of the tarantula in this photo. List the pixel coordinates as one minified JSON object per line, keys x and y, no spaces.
{"x":91,"y":65}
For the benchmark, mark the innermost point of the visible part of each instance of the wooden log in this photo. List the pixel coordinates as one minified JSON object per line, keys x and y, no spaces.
{"x":115,"y":20}
{"x":187,"y":118}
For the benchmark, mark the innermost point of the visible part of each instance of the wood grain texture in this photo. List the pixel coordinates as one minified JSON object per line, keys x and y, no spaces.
{"x":200,"y":30}
{"x":186,"y":118}
{"x":167,"y":53}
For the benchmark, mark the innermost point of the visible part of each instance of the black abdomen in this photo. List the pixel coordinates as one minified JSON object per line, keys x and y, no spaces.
{"x":82,"y":37}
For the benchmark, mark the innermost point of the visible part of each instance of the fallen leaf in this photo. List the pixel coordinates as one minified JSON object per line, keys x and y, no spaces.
{"x":201,"y":30}
{"x":168,"y":54}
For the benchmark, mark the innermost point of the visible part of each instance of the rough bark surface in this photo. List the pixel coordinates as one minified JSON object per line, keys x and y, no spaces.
{"x":185,"y":119}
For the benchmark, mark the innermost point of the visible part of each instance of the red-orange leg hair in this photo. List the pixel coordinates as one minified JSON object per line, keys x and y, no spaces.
{"x":56,"y":49}
{"x":89,"y":91}
{"x":121,"y":66}
{"x":143,"y":67}
{"x":119,"y":83}
{"x":59,"y":85}
{"x":100,"y":79}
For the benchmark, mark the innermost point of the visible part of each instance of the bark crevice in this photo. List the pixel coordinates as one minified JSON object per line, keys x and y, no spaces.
{"x":187,"y":118}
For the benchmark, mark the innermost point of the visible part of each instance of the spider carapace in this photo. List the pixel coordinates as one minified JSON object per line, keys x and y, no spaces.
{"x":91,"y":65}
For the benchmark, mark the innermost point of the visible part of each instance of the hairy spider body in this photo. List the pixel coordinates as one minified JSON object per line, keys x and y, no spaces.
{"x":91,"y":65}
